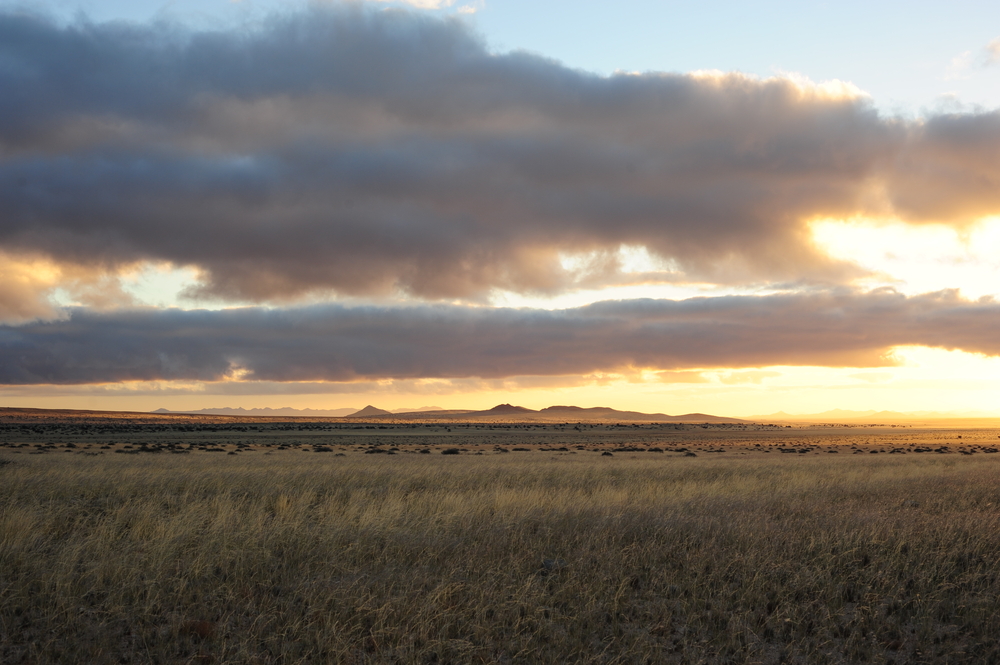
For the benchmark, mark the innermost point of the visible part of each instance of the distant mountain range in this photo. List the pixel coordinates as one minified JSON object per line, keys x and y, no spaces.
{"x":288,"y":412}
{"x":267,"y":413}
{"x":501,"y":411}
{"x":510,"y":412}
{"x":606,"y":413}
{"x":872,"y":416}
{"x":551,"y":413}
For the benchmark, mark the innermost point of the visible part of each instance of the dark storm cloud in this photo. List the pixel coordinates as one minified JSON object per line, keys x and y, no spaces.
{"x":363,"y":151}
{"x":333,"y":343}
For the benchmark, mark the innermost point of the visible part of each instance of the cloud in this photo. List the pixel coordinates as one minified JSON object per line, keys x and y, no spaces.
{"x":669,"y":376}
{"x":347,"y":151}
{"x":873,"y":377}
{"x":950,"y":169}
{"x":756,"y":377}
{"x":959,"y":66}
{"x":29,"y":284}
{"x":335,"y":343}
{"x":993,"y":52}
{"x":422,"y":4}
{"x":424,"y":387}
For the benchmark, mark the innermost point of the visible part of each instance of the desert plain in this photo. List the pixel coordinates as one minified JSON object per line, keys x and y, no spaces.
{"x":192,"y":539}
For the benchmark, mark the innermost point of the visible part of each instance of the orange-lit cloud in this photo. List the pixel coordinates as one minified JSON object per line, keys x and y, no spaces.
{"x":28,"y":285}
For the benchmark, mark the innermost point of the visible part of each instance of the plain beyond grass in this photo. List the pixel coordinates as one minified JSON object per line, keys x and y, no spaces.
{"x":292,"y":558}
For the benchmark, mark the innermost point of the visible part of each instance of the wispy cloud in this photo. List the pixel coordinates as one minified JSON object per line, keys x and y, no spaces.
{"x":421,"y":4}
{"x":959,"y":66}
{"x":472,"y":7}
{"x":747,"y":377}
{"x":873,"y":377}
{"x":992,"y":55}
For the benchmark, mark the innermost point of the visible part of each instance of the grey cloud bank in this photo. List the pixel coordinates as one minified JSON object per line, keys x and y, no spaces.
{"x":350,"y":151}
{"x":333,"y":343}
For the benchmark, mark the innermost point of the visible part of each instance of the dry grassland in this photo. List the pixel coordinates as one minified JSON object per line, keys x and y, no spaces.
{"x":287,"y":557}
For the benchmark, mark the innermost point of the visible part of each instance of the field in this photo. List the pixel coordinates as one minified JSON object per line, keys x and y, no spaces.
{"x":173,"y":541}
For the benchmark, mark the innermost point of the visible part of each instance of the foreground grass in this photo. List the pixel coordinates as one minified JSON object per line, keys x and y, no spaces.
{"x":280,"y":559}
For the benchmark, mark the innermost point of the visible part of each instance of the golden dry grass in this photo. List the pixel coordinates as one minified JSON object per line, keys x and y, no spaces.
{"x":295,"y":558}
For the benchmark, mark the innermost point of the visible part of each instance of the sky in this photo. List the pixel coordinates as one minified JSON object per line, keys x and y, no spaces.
{"x":734,"y":208}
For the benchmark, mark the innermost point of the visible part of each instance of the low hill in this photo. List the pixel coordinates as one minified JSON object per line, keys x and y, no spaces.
{"x":503,"y":410}
{"x":371,"y":412}
{"x":606,"y":413}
